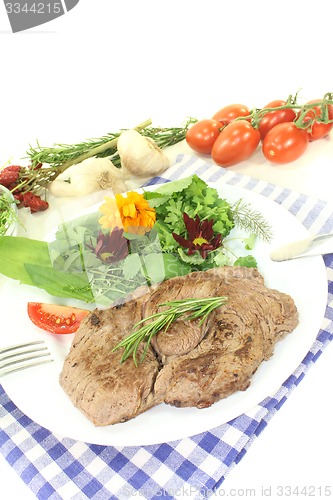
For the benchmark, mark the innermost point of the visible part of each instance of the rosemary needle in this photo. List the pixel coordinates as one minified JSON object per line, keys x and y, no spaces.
{"x":144,"y":330}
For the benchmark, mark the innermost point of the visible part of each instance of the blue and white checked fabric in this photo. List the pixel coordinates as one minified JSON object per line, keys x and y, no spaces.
{"x":60,"y":468}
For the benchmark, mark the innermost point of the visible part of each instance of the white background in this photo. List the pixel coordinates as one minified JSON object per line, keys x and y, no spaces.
{"x":112,"y":64}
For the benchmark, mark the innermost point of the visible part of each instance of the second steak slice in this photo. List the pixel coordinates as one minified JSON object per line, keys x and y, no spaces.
{"x":240,"y":335}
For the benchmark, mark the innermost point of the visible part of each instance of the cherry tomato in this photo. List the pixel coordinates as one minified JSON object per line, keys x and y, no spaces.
{"x":272,"y":118}
{"x":202,"y":135}
{"x":317,"y":129}
{"x":55,"y":318}
{"x":285,"y":143}
{"x":236,"y":143}
{"x":229,"y":113}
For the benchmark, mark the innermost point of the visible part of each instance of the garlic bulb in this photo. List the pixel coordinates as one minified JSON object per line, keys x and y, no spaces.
{"x":93,"y":174}
{"x":140,"y":156}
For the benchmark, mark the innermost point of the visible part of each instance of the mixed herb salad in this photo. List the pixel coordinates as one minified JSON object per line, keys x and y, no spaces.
{"x":134,"y":240}
{"x":8,"y":215}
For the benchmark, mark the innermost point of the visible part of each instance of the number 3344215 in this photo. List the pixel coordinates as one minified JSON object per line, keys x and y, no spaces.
{"x":36,"y":8}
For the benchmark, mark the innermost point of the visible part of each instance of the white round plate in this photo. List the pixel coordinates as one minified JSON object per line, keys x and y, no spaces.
{"x":37,"y":393}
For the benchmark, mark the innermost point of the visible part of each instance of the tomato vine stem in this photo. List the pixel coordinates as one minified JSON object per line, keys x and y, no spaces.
{"x":307,"y":111}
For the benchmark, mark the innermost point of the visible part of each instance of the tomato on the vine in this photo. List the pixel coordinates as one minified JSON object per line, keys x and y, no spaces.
{"x":202,"y":135}
{"x":272,"y":118}
{"x":56,"y":318}
{"x":285,"y":143}
{"x":229,"y":113}
{"x":237,"y":142}
{"x":317,"y":129}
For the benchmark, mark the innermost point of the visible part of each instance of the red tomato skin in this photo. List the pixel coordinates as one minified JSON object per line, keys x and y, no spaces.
{"x":229,"y":113}
{"x":202,"y":135}
{"x":237,"y":142}
{"x":285,"y":143}
{"x":318,"y":130}
{"x":55,"y":318}
{"x":272,"y":118}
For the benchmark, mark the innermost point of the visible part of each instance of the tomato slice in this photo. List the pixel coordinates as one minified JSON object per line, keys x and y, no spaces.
{"x":56,"y":318}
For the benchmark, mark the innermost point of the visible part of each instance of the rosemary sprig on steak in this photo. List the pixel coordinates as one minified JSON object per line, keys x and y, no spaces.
{"x":144,"y":330}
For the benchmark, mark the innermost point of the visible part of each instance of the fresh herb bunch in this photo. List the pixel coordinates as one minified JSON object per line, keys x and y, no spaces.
{"x":148,"y":327}
{"x":195,"y":198}
{"x":62,"y":156}
{"x":87,"y":263}
{"x":156,"y":256}
{"x":73,"y":251}
{"x":191,"y":196}
{"x":8,"y":213}
{"x":46,"y":163}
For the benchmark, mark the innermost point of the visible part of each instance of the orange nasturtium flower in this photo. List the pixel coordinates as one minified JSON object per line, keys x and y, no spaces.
{"x":131,"y":212}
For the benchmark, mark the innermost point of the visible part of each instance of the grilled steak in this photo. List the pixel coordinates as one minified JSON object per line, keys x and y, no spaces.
{"x":191,"y":364}
{"x":104,"y":389}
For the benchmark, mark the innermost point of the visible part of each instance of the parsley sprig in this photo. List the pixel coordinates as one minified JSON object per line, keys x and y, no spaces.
{"x":144,"y":330}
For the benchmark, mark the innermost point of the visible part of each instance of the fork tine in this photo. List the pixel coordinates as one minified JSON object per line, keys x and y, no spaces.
{"x":23,"y":367}
{"x":19,"y":353}
{"x":21,"y":360}
{"x":18,"y":346}
{"x":23,"y":356}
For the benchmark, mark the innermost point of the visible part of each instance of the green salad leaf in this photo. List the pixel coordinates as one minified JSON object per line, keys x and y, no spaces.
{"x":250,"y":241}
{"x":169,"y":188}
{"x":194,"y":197}
{"x":246,"y":261}
{"x":17,"y":252}
{"x":60,"y":283}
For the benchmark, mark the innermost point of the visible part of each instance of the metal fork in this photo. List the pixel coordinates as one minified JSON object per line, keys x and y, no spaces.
{"x":21,"y":356}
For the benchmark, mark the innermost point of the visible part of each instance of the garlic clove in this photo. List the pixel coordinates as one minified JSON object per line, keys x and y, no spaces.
{"x":93,"y":174}
{"x":61,"y":188}
{"x":140,"y":156}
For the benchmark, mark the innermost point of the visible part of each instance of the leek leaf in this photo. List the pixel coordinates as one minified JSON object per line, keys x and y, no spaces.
{"x":17,"y":251}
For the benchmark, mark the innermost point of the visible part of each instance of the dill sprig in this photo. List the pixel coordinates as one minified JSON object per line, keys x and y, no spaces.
{"x":252,"y":221}
{"x":144,"y":330}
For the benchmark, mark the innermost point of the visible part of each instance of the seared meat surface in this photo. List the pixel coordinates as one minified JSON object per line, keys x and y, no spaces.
{"x":105,"y":390}
{"x":190,"y":364}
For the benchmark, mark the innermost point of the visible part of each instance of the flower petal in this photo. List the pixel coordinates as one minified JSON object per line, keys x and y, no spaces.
{"x":200,"y":234}
{"x":182,"y":241}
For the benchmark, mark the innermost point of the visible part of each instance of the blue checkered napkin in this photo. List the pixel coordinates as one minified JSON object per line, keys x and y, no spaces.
{"x":58,"y":468}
